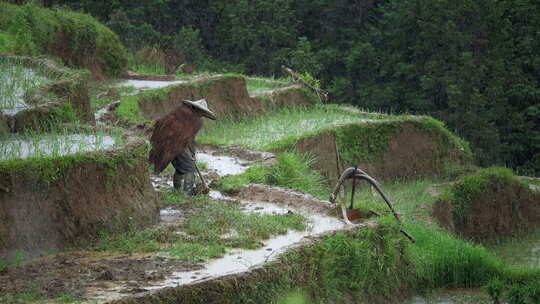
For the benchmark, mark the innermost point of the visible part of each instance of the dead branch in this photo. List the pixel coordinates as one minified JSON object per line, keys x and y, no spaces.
{"x":323,"y":95}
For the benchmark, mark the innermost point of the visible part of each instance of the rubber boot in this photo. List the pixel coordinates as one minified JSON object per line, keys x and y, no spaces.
{"x":189,"y":183}
{"x":177,"y":181}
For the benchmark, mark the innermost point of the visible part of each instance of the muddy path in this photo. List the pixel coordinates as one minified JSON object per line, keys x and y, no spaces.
{"x":100,"y":276}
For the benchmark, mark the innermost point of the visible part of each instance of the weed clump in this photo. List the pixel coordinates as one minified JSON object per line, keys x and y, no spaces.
{"x":444,"y":261}
{"x":372,"y":264}
{"x":291,"y":170}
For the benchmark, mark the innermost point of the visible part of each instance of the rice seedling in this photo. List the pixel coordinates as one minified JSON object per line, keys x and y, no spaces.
{"x":291,"y":170}
{"x":259,"y":132}
{"x":16,"y":81}
{"x":56,"y":143}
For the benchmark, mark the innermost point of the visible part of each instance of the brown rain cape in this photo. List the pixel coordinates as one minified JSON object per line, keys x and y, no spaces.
{"x":172,"y":134}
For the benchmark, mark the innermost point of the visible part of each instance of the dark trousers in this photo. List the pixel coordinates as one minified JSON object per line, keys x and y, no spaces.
{"x":184,"y":175}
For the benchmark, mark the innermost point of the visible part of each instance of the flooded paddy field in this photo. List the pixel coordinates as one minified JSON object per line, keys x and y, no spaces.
{"x":16,"y":81}
{"x":144,"y":85}
{"x":523,"y":251}
{"x":47,"y":145}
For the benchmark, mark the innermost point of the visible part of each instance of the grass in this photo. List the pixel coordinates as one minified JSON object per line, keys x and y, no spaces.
{"x":16,"y":261}
{"x":442,"y":260}
{"x":149,"y":61}
{"x":23,"y":297}
{"x":365,"y":264}
{"x":411,"y":198}
{"x":258,"y":85}
{"x":291,"y":170}
{"x":210,"y":228}
{"x":107,"y":86}
{"x":473,"y":186}
{"x":31,"y":30}
{"x":492,"y":189}
{"x":146,"y":68}
{"x":129,"y":108}
{"x":260,"y":132}
{"x":36,"y":294}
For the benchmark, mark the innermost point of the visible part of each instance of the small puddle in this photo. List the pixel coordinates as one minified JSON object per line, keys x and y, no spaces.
{"x":223,"y":165}
{"x":219,"y":164}
{"x":265,"y":208}
{"x":161,"y":182}
{"x":100,"y":114}
{"x":19,"y":106}
{"x":219,"y":196}
{"x":53,"y":145}
{"x":168,"y":215}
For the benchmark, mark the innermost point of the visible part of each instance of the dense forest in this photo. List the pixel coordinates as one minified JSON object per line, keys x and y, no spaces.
{"x":474,"y":64}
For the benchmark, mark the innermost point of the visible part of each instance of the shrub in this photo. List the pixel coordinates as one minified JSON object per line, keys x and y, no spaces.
{"x":78,"y":39}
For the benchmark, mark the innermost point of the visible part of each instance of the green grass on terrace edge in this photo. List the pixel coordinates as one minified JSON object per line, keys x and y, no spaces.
{"x":282,"y":128}
{"x":129,"y":106}
{"x":261,"y":85}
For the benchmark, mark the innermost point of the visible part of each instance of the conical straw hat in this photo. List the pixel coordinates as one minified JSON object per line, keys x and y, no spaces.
{"x":203,"y":106}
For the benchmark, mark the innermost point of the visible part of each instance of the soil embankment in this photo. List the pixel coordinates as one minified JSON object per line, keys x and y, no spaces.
{"x":52,"y":204}
{"x":290,"y":96}
{"x":385,"y":149}
{"x":227,"y":96}
{"x":78,"y":39}
{"x":489,"y":205}
{"x":297,"y":259}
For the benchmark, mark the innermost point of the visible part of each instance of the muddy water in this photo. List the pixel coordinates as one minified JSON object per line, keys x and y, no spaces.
{"x":524,"y":252}
{"x":215,"y":165}
{"x":14,"y":83}
{"x":223,"y":165}
{"x":19,"y":105}
{"x":239,"y":260}
{"x":100,"y":114}
{"x":16,"y":147}
{"x":143,"y":85}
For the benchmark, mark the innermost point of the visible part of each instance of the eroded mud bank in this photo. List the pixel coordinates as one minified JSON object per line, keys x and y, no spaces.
{"x":55,"y":203}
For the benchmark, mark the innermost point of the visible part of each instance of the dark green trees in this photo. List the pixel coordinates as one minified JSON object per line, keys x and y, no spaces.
{"x":473,"y":64}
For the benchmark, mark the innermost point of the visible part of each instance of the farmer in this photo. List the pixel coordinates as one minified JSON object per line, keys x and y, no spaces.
{"x":173,"y":141}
